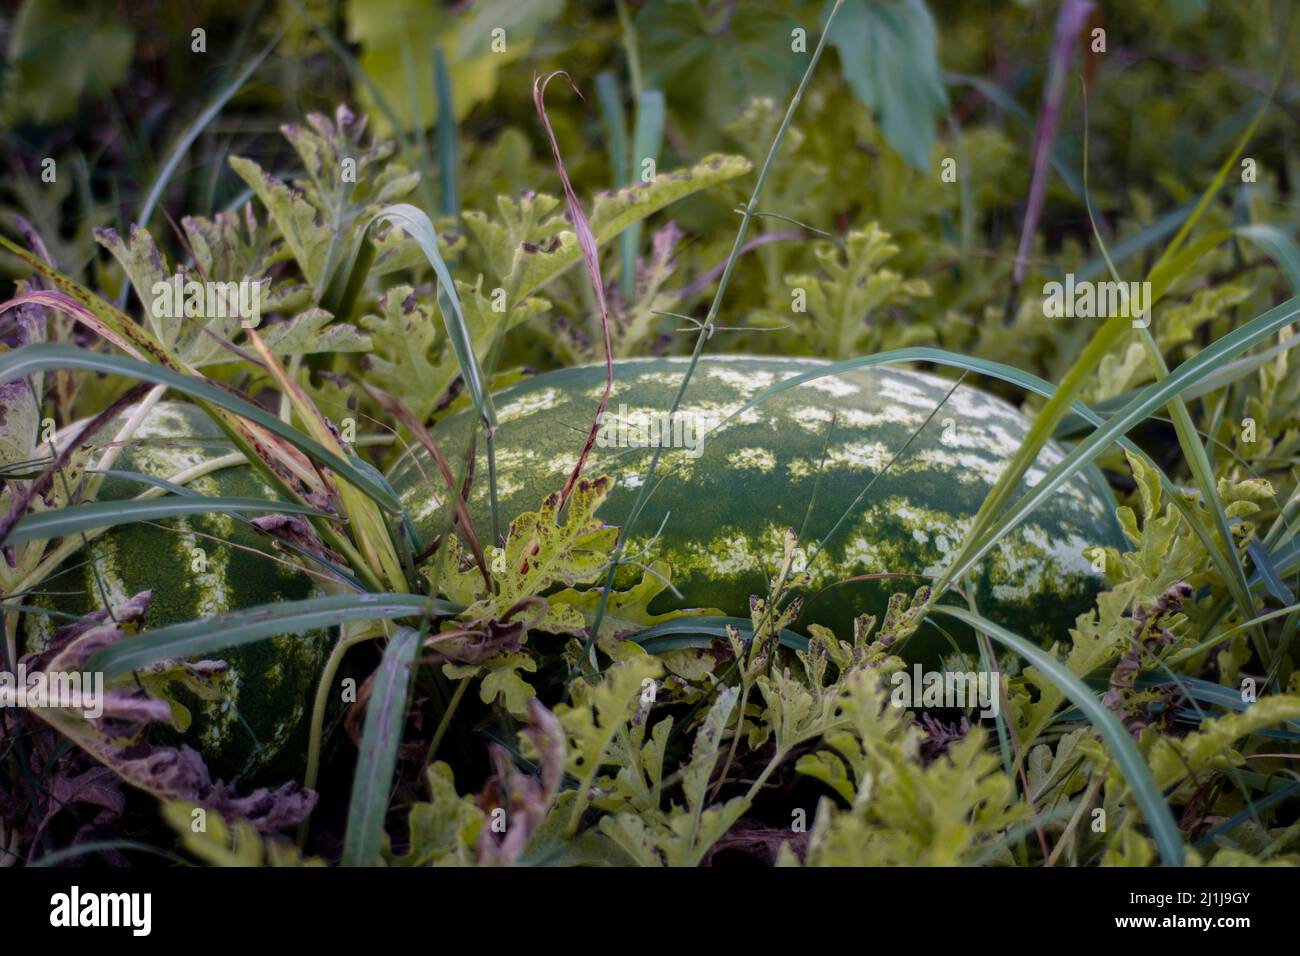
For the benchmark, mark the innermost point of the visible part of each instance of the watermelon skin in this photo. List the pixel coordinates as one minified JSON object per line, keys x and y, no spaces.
{"x":257,"y":730}
{"x":726,"y":508}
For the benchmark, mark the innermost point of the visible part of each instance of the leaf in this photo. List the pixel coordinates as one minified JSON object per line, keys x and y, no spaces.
{"x":539,"y":552}
{"x":595,"y":715}
{"x":405,"y":362}
{"x":117,"y":736}
{"x":943,"y":814}
{"x":385,"y":718}
{"x":204,"y":681}
{"x":205,"y":636}
{"x":310,"y":333}
{"x":444,"y":830}
{"x":61,"y":54}
{"x":36,"y":358}
{"x":106,"y":514}
{"x":501,"y":680}
{"x":1044,"y":768}
{"x":720,"y":57}
{"x":684,"y":835}
{"x":856,"y":287}
{"x":704,"y":752}
{"x":520,"y":19}
{"x":889,"y":57}
{"x":418,"y":225}
{"x":628,"y":611}
{"x":145,"y":267}
{"x":516,"y":250}
{"x":1212,"y":746}
{"x":237,"y":843}
{"x":792,"y":714}
{"x":1128,"y":761}
{"x":384,"y":27}
{"x":20,"y":411}
{"x":292,"y":214}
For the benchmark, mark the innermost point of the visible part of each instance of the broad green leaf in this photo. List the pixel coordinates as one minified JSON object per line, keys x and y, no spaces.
{"x":889,"y":56}
{"x":718,"y":56}
{"x":383,"y":27}
{"x":61,"y":54}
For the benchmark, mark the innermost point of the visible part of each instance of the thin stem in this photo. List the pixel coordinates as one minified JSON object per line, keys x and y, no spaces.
{"x":707,"y":331}
{"x":777,"y":759}
{"x":1067,"y":837}
{"x":332,"y":665}
{"x":461,"y":686}
{"x":735,"y":740}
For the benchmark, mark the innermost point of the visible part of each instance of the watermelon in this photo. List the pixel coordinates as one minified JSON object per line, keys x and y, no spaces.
{"x":257,"y":729}
{"x":724,"y":501}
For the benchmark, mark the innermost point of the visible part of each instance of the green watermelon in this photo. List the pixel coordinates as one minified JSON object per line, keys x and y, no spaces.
{"x":723,"y":511}
{"x":257,"y":729}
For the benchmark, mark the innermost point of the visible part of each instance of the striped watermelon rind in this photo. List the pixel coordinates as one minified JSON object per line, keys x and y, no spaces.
{"x":726,"y":510}
{"x":257,"y":729}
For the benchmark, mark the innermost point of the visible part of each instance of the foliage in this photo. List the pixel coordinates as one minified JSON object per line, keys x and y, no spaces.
{"x":525,"y":723}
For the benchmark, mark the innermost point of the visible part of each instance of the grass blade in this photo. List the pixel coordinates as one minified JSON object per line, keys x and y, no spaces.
{"x":385,"y":717}
{"x":1148,"y":401}
{"x":1168,"y":837}
{"x":1070,"y":386}
{"x":192,"y":133}
{"x":1004,"y":101}
{"x":59,"y":523}
{"x":446,"y":136}
{"x":646,"y":142}
{"x":210,"y":635}
{"x":36,"y":358}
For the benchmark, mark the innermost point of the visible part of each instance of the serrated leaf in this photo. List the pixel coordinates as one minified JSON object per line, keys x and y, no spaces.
{"x":145,"y":266}
{"x":444,"y":830}
{"x":595,"y":715}
{"x":627,"y":611}
{"x":539,"y":552}
{"x":500,"y":680}
{"x":292,"y":214}
{"x":545,"y":250}
{"x":238,"y":844}
{"x":310,"y":333}
{"x":404,"y":363}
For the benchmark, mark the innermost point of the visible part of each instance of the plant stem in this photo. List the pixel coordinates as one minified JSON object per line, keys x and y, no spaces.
{"x":332,"y":664}
{"x":777,"y":759}
{"x":1067,"y":837}
{"x":461,"y":686}
{"x":706,"y":330}
{"x":735,"y":739}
